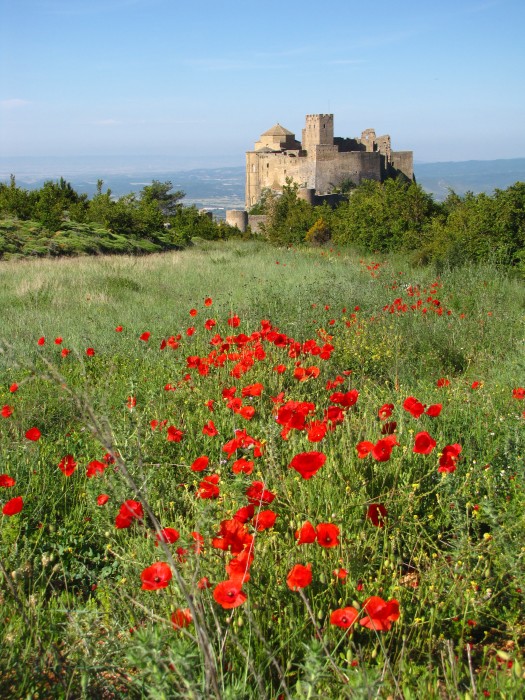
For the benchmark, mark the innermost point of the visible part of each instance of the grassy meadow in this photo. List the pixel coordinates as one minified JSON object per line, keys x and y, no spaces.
{"x":180,"y":431}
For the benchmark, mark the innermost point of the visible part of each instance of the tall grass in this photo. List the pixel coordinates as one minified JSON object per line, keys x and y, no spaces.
{"x":450,"y":551}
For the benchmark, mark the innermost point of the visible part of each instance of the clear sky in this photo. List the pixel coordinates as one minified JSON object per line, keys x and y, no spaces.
{"x":198,"y":81}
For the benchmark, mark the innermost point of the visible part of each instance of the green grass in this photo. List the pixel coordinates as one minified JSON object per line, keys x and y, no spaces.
{"x":451,"y":551}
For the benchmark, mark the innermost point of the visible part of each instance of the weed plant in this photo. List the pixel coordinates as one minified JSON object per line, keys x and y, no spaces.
{"x":118,"y":365}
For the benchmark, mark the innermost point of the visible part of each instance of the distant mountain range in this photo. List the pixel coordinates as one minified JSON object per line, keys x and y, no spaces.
{"x":219,"y":189}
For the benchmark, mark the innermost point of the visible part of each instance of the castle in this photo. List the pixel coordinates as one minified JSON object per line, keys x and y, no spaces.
{"x":318,"y":164}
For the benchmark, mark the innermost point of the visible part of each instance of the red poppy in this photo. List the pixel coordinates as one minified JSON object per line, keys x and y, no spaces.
{"x":234,"y":321}
{"x":67,"y":465}
{"x":129,"y":511}
{"x":145,"y":336}
{"x":6,"y":411}
{"x":380,"y":613}
{"x":264,"y":520}
{"x":65,"y":352}
{"x":341,"y":574}
{"x":58,"y":341}
{"x":385,"y":411}
{"x":33,"y":434}
{"x":95,"y":467}
{"x":208,"y":487}
{"x":156,"y":576}
{"x":131,"y":402}
{"x":168,"y":535}
{"x":210,"y":323}
{"x":232,"y":536}
{"x":13,"y":506}
{"x":519,"y":393}
{"x":316,"y":430}
{"x":376,"y":513}
{"x":434,"y":410}
{"x":245,"y":513}
{"x":210,"y":429}
{"x":382,"y":450}
{"x":443,"y":381}
{"x":238,"y":568}
{"x":174,"y":434}
{"x":449,"y":457}
{"x":345,"y":400}
{"x":253,"y":390}
{"x":193,"y":312}
{"x":6,"y":481}
{"x":90,"y":352}
{"x":344,"y":617}
{"x":181,"y":618}
{"x":364,"y":448}
{"x":203,"y":583}
{"x":424,"y":443}
{"x":299,"y":576}
{"x":389,"y":428}
{"x":41,"y":341}
{"x":413,"y":406}
{"x":242,"y":465}
{"x":102,"y":499}
{"x":327,"y":535}
{"x":307,"y":463}
{"x":119,"y":329}
{"x":200,"y":464}
{"x":280,"y":369}
{"x":306,"y":533}
{"x":208,"y":301}
{"x":258,"y":495}
{"x":229,"y":594}
{"x":13,"y":387}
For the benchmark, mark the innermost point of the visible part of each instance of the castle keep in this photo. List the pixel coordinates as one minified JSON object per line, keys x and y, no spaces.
{"x":320,"y":162}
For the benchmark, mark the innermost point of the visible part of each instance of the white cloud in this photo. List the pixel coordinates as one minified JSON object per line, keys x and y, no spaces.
{"x":13,"y":103}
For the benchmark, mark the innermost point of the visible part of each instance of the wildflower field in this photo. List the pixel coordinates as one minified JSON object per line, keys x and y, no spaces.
{"x":239,"y":471}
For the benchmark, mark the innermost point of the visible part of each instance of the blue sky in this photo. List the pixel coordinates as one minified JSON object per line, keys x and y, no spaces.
{"x":197,"y":82}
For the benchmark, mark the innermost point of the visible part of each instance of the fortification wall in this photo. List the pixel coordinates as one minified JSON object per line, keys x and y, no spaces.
{"x":354,"y":165}
{"x":404,"y":161}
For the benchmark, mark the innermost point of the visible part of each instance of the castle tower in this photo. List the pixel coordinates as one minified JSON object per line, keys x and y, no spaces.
{"x":319,"y":131}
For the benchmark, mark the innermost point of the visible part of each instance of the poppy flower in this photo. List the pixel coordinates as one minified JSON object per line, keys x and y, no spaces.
{"x":156,"y":576}
{"x":364,"y":448}
{"x":181,"y":618}
{"x":382,"y":450}
{"x":519,"y":393}
{"x":264,"y":520}
{"x":257,"y":494}
{"x":6,"y":481}
{"x":41,"y":341}
{"x":245,"y":513}
{"x":13,"y":506}
{"x":208,"y":487}
{"x":389,"y":428}
{"x":434,"y":410}
{"x":341,"y":574}
{"x":200,"y":464}
{"x":345,"y":400}
{"x":238,"y":567}
{"x":316,"y":430}
{"x":253,"y":390}
{"x":67,"y":465}
{"x":242,"y":465}
{"x":208,"y":301}
{"x":376,"y":513}
{"x":210,"y":429}
{"x":95,"y":467}
{"x":129,"y":511}
{"x":33,"y":434}
{"x":380,"y":613}
{"x":168,"y":535}
{"x":229,"y":594}
{"x":64,"y":352}
{"x":174,"y":434}
{"x":145,"y":336}
{"x":13,"y":387}
{"x":210,"y":323}
{"x":344,"y":617}
{"x":424,"y":443}
{"x":327,"y":535}
{"x":58,"y":341}
{"x":443,"y":381}
{"x":385,"y":411}
{"x":119,"y":329}
{"x":307,"y":463}
{"x":449,"y":457}
{"x":232,"y":536}
{"x":234,"y":321}
{"x":6,"y":411}
{"x":203,"y":583}
{"x":102,"y":499}
{"x":193,"y":312}
{"x":299,"y":576}
{"x":413,"y":406}
{"x":306,"y":534}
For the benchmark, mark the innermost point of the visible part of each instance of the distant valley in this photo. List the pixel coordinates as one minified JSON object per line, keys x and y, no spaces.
{"x":218,"y":189}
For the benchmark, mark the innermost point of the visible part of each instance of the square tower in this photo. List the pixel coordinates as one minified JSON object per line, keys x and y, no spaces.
{"x":319,"y":131}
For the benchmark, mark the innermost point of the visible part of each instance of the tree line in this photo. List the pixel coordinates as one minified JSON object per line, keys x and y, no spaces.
{"x":57,"y":220}
{"x":398,"y":215}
